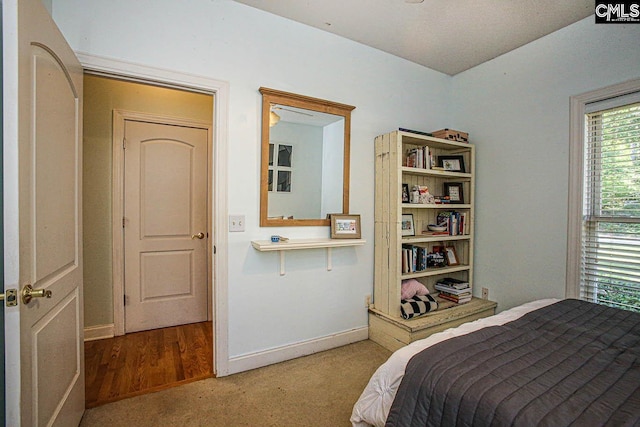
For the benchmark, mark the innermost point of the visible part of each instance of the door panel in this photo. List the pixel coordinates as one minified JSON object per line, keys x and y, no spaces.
{"x":57,"y":371}
{"x":166,"y":174}
{"x":165,"y":208}
{"x":54,"y":154}
{"x":162,"y":274}
{"x":43,"y":81}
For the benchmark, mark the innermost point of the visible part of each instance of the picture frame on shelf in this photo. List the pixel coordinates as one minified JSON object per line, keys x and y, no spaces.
{"x":407,"y":225}
{"x":405,"y":193}
{"x":345,"y":226}
{"x":451,"y":256}
{"x":454,"y":191}
{"x":452,"y":163}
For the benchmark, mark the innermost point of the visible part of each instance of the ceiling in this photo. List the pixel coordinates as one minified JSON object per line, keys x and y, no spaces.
{"x":444,"y":35}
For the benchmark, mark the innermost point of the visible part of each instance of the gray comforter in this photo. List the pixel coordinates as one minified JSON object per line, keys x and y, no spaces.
{"x":570,"y":363}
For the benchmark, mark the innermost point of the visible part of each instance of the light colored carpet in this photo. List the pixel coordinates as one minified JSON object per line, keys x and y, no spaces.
{"x":316,"y":390}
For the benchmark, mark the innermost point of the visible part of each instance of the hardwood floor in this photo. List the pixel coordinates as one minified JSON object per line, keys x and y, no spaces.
{"x":142,"y":362}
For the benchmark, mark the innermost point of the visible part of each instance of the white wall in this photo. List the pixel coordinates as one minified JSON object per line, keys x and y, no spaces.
{"x":48,"y":4}
{"x":225,"y":40}
{"x":332,"y":168}
{"x":516,"y":108}
{"x":304,"y":199}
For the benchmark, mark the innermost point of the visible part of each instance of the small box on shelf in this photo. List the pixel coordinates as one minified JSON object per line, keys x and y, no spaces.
{"x":451,"y":135}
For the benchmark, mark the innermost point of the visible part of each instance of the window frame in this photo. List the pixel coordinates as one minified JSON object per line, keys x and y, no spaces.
{"x":576,"y":174}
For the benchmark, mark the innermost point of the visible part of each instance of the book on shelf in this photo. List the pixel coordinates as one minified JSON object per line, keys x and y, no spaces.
{"x":452,"y":291}
{"x":453,"y":283}
{"x":418,"y":132}
{"x":455,"y":298}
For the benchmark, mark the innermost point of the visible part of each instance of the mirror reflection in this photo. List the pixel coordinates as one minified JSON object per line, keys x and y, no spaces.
{"x":305,"y":159}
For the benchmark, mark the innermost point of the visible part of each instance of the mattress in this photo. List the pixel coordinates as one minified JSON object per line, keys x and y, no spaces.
{"x":374,"y":403}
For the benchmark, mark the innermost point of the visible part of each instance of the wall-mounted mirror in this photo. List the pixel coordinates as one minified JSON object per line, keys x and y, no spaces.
{"x":305,"y":159}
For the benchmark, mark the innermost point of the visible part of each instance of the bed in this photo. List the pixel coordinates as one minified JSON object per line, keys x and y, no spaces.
{"x":483,"y":373}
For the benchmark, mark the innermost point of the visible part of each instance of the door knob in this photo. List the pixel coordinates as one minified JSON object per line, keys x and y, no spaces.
{"x":28,"y":293}
{"x":198,"y":236}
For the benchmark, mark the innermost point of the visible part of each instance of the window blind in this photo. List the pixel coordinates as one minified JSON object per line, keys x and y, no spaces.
{"x":610,"y":267}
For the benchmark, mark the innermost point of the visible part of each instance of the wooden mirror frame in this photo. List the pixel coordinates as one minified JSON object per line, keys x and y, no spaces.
{"x":272,"y":96}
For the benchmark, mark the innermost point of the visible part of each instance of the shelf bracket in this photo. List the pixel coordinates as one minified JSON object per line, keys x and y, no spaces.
{"x":281,"y":263}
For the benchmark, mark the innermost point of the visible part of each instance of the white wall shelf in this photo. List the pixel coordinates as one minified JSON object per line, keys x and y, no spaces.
{"x":297,"y":244}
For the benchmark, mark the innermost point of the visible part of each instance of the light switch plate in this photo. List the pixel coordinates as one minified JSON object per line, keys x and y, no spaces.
{"x":236,"y":222}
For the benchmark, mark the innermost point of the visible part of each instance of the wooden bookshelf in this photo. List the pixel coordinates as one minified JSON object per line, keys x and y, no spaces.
{"x":386,"y":326}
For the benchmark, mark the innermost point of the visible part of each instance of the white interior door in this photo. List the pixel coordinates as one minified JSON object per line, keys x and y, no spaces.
{"x":165,"y":225}
{"x":43,"y":231}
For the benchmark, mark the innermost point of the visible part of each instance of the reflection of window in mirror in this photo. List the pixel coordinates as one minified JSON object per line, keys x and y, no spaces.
{"x":280,"y":167}
{"x":284,"y":155}
{"x":284,"y":181}
{"x":270,"y":154}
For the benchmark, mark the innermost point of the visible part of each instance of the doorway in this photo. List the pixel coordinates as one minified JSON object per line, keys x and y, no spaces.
{"x":123,"y":70}
{"x":106,"y":98}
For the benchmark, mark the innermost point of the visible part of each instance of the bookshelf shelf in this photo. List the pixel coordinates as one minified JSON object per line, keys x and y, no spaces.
{"x":436,"y":173}
{"x":396,"y":255}
{"x":430,"y":272}
{"x":435,"y":238}
{"x":443,"y":206}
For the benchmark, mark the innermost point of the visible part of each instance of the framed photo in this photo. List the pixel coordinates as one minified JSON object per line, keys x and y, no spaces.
{"x":408,"y":228}
{"x":453,"y":190}
{"x":451,"y":163}
{"x":405,"y":193}
{"x":345,"y":226}
{"x":451,"y":255}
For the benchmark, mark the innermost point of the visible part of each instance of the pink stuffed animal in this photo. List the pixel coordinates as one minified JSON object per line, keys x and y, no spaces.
{"x":411,"y":287}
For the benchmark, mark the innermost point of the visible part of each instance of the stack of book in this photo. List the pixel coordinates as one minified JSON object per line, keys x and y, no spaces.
{"x":454,"y":290}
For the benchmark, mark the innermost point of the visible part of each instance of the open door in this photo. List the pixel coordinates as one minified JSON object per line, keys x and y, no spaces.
{"x":42,"y":82}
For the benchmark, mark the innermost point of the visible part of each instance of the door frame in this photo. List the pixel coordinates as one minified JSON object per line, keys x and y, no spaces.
{"x":218,"y":185}
{"x":117,"y":204}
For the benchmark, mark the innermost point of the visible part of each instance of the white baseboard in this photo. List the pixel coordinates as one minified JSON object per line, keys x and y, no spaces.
{"x":280,"y":354}
{"x":99,"y":332}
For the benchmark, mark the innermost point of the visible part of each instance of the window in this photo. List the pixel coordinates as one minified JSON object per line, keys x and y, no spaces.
{"x":281,"y":168}
{"x":608,"y":254}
